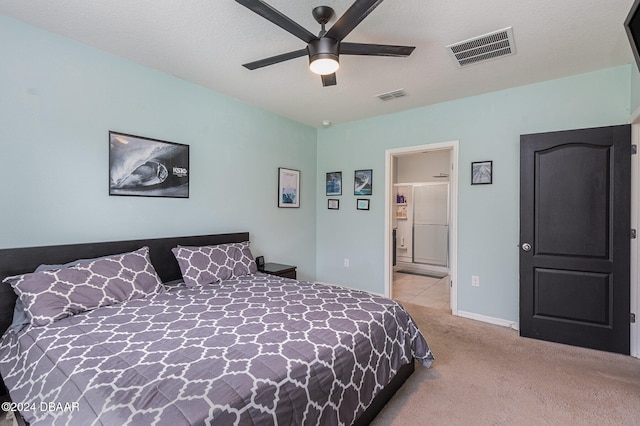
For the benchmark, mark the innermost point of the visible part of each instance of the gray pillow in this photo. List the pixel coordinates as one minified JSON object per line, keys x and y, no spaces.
{"x":51,"y":295}
{"x":68,"y":264}
{"x":20,"y":318}
{"x":210,"y":264}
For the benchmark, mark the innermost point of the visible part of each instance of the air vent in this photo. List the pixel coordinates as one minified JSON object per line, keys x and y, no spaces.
{"x":483,"y":48}
{"x":391,"y":95}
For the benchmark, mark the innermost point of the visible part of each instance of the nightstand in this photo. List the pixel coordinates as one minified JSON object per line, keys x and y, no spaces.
{"x":286,"y":271}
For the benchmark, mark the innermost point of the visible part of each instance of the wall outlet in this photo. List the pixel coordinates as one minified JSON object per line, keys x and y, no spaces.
{"x":475,"y":281}
{"x":346,"y":262}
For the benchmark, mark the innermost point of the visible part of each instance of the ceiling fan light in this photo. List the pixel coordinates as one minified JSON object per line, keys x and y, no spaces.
{"x":324,"y":66}
{"x":323,"y":56}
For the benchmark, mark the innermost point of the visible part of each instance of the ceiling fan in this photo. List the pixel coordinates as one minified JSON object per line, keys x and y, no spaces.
{"x":324,"y":50}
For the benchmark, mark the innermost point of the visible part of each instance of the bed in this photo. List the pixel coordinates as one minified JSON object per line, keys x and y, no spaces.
{"x":180,"y":347}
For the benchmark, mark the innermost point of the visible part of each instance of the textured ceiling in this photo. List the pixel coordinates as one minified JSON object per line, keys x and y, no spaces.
{"x":207,"y":41}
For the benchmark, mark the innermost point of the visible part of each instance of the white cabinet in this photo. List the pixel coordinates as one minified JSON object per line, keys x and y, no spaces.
{"x":403,"y":221}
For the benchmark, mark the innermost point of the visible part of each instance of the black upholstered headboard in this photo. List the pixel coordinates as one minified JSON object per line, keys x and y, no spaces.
{"x":24,"y":260}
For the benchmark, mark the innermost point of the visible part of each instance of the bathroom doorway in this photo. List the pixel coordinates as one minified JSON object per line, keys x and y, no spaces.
{"x":421,"y":192}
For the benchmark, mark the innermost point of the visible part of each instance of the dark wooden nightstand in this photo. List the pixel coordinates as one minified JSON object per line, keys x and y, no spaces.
{"x":286,"y":271}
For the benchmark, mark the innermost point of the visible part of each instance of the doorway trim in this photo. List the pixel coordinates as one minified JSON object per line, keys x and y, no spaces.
{"x":634,"y":120}
{"x":388,"y":208}
{"x":635,"y":223}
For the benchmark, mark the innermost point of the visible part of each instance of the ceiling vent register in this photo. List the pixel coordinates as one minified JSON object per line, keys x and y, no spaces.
{"x":483,"y":48}
{"x":391,"y":95}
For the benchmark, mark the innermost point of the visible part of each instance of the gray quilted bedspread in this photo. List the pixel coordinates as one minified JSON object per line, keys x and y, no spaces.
{"x":257,"y":350}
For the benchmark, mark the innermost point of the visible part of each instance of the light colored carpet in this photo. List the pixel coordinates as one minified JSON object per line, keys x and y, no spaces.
{"x":488,"y":375}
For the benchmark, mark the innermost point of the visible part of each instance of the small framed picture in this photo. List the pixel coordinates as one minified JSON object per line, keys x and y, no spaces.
{"x":333,"y":204}
{"x":481,"y":172}
{"x":363,"y":182}
{"x":288,"y":188}
{"x":362,"y":204}
{"x":334,"y":183}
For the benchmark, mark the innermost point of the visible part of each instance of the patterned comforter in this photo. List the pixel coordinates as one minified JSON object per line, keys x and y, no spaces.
{"x":256,"y":350}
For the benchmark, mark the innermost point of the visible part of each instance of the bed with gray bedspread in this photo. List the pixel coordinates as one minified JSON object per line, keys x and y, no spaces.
{"x":258,"y":349}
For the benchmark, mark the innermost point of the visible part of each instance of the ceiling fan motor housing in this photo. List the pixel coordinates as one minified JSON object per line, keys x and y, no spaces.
{"x":323,"y":48}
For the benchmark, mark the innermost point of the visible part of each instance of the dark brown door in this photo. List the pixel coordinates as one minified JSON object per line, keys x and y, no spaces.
{"x":575,"y":236}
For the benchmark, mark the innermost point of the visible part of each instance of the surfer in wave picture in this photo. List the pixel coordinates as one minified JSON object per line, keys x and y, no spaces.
{"x":362,"y":181}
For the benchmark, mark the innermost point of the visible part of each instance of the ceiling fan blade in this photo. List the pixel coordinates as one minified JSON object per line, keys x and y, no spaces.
{"x":275,"y":59}
{"x":351,"y":18}
{"x":375,"y":49}
{"x":329,"y":79}
{"x":271,"y":14}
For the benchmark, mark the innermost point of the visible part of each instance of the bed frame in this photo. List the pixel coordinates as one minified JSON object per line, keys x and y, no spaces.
{"x":14,"y":261}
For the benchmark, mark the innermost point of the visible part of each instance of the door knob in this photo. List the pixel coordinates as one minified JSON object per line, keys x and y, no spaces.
{"x":526,"y":246}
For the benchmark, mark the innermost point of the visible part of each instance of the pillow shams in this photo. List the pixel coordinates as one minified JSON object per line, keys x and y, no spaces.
{"x":210,"y":264}
{"x":68,"y":264}
{"x":20,"y":318}
{"x":51,"y":295}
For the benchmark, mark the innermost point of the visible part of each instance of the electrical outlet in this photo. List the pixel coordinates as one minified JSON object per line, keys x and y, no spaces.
{"x":475,"y":281}
{"x":346,"y":262}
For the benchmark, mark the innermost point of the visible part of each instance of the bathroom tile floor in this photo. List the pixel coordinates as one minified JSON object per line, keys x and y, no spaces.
{"x":421,"y":290}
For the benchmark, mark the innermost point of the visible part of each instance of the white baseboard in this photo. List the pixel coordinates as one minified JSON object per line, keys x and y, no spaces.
{"x":491,"y":320}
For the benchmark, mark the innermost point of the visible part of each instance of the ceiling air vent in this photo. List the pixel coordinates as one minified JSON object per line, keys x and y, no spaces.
{"x":482,"y":48}
{"x":391,"y":95}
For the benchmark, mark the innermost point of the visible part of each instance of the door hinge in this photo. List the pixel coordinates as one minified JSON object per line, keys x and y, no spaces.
{"x":634,"y":149}
{"x":633,"y":318}
{"x":634,"y":234}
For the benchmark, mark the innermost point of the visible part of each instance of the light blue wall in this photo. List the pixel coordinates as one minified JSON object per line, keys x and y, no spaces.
{"x":58,"y":101}
{"x":488,"y":127}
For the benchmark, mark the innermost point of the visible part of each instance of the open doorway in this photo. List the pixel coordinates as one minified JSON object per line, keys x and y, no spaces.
{"x":420,"y":225}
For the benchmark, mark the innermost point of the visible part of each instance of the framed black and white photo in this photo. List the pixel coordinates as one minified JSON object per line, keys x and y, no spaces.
{"x":333,"y":204}
{"x":363,"y":182}
{"x":288,"y":188}
{"x":334,"y":183}
{"x":362,"y":204}
{"x":146,"y":167}
{"x":481,"y":172}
